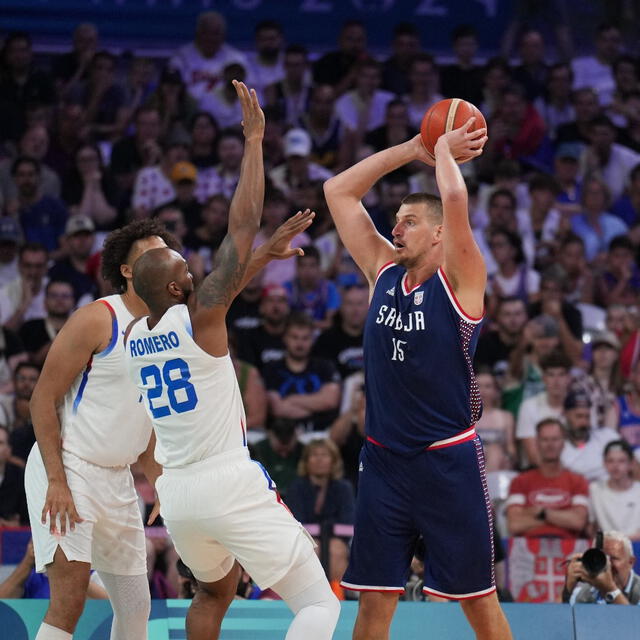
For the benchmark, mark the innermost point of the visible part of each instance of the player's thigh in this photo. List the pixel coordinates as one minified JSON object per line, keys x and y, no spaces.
{"x":119,"y":544}
{"x":456,"y":522}
{"x":261,"y":532}
{"x":76,"y":543}
{"x":195,"y":541}
{"x":385,"y":534}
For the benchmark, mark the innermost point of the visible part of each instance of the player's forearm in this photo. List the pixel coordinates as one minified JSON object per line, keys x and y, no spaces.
{"x":360,"y":178}
{"x":151,"y":469}
{"x":259,"y":259}
{"x":46,"y":427}
{"x":448,"y":176}
{"x":248,"y":200}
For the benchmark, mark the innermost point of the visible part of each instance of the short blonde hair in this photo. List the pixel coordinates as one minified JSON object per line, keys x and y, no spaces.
{"x":337,"y":466}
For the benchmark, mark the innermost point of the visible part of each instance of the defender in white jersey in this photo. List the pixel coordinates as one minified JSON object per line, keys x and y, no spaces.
{"x":217,"y":503}
{"x":90,"y":426}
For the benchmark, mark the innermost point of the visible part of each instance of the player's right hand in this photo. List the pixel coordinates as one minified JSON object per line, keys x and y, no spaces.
{"x":278,"y":246}
{"x":59,"y":502}
{"x":462,"y":142}
{"x":252,"y":116}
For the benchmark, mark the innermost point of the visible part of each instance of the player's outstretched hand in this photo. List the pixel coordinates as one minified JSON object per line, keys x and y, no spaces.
{"x":252,"y":116}
{"x":155,"y":512}
{"x":59,"y":502}
{"x":463,"y":143}
{"x":278,"y":246}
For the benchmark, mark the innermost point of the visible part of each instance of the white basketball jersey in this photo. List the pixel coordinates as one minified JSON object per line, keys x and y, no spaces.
{"x":102,"y":416}
{"x":192,"y":398}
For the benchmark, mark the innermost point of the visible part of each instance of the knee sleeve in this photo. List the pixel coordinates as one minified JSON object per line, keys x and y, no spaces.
{"x":131,"y":603}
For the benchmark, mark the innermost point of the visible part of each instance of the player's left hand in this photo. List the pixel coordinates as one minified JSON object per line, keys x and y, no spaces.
{"x":252,"y":116}
{"x":278,"y":247}
{"x":155,"y":512}
{"x":463,"y":143}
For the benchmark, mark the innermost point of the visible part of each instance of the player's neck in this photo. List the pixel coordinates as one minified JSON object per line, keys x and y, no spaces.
{"x":133,"y":303}
{"x":418,"y":274}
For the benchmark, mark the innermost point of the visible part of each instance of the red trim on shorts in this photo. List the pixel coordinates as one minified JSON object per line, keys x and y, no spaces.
{"x":453,"y":295}
{"x":370,"y":590}
{"x":471,"y":436}
{"x":378,"y":444}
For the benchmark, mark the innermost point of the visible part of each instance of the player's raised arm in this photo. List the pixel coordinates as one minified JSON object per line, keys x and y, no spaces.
{"x":463,"y":264}
{"x":344,"y":194}
{"x":232,"y":258}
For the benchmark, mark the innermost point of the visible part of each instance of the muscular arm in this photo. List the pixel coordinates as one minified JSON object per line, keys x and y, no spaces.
{"x":151,"y":469}
{"x":344,"y":194}
{"x":219,"y":288}
{"x":463,"y":262}
{"x":85,"y":333}
{"x":521,"y":519}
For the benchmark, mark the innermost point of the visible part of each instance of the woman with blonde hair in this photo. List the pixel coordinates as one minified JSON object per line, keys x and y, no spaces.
{"x":320,"y":496}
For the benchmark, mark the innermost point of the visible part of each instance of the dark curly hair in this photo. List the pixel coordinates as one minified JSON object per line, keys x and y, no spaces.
{"x":118,"y":244}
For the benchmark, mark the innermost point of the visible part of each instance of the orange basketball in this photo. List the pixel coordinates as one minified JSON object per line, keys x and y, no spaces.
{"x":444,"y":116}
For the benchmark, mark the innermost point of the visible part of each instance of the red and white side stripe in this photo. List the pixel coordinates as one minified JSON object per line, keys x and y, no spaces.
{"x":459,"y":596}
{"x":463,"y":436}
{"x":454,"y":301}
{"x":366,"y":587}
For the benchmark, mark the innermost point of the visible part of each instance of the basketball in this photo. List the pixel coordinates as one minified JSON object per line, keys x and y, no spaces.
{"x":444,"y":116}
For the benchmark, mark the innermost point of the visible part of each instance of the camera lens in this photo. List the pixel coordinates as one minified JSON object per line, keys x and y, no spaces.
{"x":594,"y":561}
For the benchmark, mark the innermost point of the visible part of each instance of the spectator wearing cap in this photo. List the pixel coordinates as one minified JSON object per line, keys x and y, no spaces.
{"x":556,"y":376}
{"x":10,"y":238}
{"x":37,"y":335}
{"x":629,"y":414}
{"x":595,"y":225}
{"x":184,"y":176}
{"x":549,"y":501}
{"x":79,"y":242}
{"x":41,"y":217}
{"x":263,"y":344}
{"x":619,"y":282}
{"x":201,"y":62}
{"x":603,"y":382}
{"x":614,"y":501}
{"x":582,"y":451}
{"x":222,"y":101}
{"x":274,"y":213}
{"x":627,"y":206}
{"x":23,"y":297}
{"x":566,"y":167}
{"x":297,"y":170}
{"x":153,"y":186}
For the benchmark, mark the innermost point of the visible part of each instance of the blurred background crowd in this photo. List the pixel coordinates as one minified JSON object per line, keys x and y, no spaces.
{"x":90,"y":141}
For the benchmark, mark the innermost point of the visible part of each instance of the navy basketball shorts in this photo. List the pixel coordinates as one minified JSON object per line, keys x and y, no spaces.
{"x":440,"y":494}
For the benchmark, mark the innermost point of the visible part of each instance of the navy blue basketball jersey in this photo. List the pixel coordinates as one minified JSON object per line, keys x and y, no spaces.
{"x":418,"y":352}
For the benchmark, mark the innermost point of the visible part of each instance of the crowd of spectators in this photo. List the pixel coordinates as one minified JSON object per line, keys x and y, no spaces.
{"x":87,"y":145}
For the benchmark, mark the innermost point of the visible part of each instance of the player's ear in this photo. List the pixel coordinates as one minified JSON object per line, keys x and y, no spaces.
{"x":126,"y":271}
{"x":174,"y":289}
{"x":437,"y":233}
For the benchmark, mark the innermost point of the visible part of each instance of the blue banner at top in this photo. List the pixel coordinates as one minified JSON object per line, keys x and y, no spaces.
{"x":313,"y":23}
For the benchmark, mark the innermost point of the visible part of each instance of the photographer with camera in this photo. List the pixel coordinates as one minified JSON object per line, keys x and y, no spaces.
{"x":603,"y":574}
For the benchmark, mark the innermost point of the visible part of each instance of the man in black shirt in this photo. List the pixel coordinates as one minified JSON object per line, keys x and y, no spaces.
{"x":463,"y":79}
{"x":342,"y":343}
{"x":264,"y":344}
{"x":300,"y":387}
{"x":244,"y":312}
{"x":494,"y":347}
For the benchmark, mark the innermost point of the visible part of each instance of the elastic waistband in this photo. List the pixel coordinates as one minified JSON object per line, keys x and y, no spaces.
{"x":212,"y":462}
{"x":463,"y":436}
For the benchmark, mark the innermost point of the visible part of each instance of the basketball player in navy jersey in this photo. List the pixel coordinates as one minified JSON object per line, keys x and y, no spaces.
{"x":421,"y":469}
